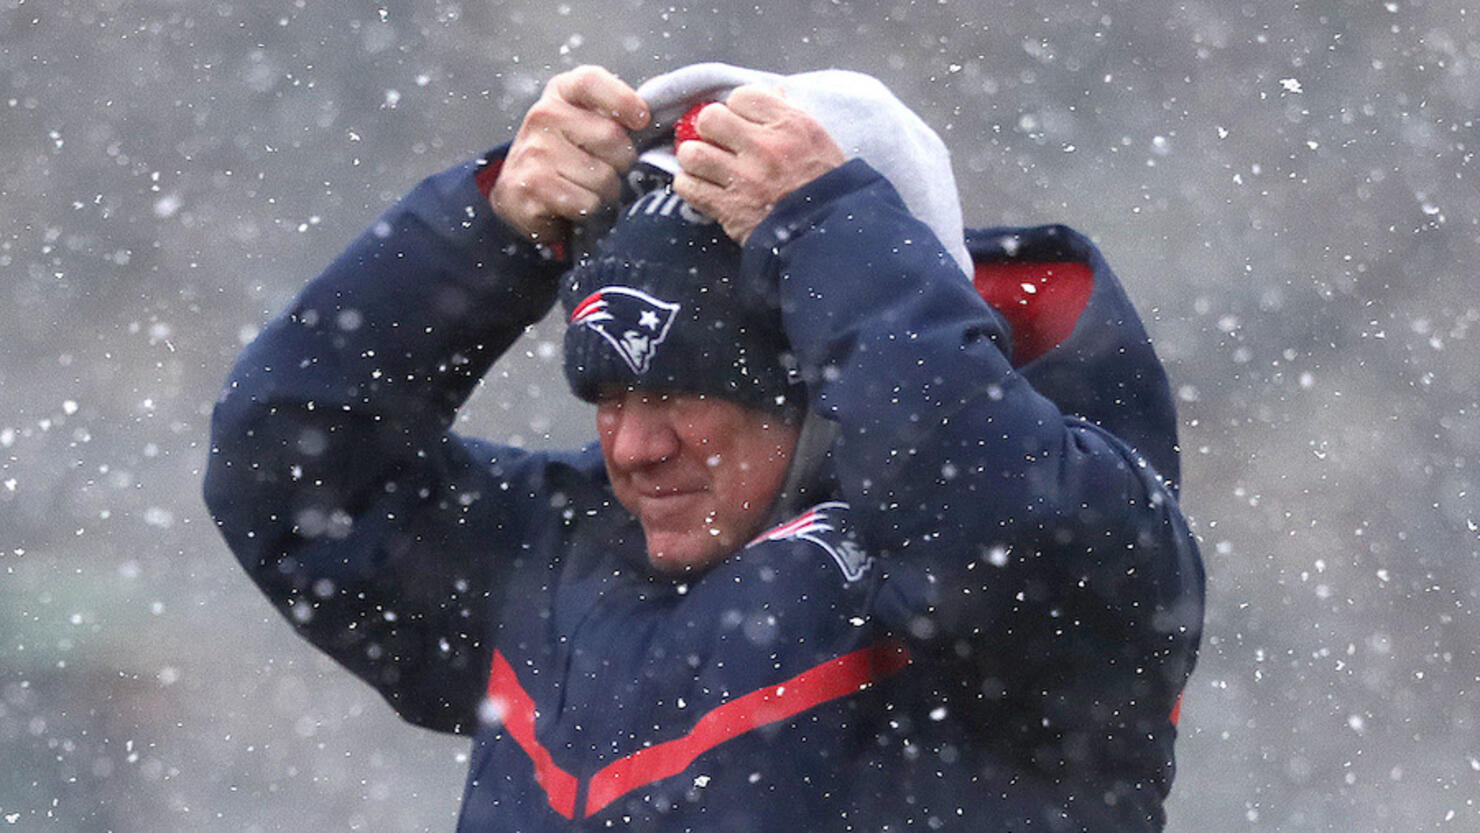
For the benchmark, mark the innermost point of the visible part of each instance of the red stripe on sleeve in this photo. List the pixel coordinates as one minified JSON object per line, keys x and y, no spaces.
{"x":813,"y":687}
{"x":487,"y":175}
{"x":518,"y":709}
{"x":1041,"y":301}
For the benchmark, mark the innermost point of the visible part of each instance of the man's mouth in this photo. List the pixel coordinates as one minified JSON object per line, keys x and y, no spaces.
{"x":659,"y":489}
{"x":658,"y":493}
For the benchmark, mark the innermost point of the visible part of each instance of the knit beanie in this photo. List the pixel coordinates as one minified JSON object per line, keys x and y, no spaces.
{"x":656,"y":298}
{"x":658,"y":303}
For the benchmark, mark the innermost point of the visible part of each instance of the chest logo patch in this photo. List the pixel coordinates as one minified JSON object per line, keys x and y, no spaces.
{"x":633,"y":322}
{"x":819,"y":525}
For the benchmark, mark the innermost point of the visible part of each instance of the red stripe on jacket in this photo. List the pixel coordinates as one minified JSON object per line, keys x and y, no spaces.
{"x":831,"y":680}
{"x":518,"y":710}
{"x":813,"y":687}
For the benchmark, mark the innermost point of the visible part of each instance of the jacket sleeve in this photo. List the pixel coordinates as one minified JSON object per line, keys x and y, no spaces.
{"x":1002,"y":525}
{"x":333,"y":474}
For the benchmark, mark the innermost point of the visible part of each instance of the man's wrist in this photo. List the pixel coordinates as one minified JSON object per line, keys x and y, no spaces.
{"x":489,"y":167}
{"x":798,"y":211}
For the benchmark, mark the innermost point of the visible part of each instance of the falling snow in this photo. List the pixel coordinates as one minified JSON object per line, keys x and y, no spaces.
{"x":1287,"y":192}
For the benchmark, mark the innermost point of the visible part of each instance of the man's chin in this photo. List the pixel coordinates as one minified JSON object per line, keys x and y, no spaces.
{"x":680,"y":554}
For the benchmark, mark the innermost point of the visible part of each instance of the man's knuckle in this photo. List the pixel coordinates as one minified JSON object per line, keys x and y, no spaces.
{"x":540,"y":185}
{"x":687,"y":187}
{"x":708,"y":119}
{"x":536,"y":152}
{"x":542,"y":116}
{"x":746,"y":94}
{"x":688,"y":154}
{"x":612,"y":136}
{"x":585,"y":203}
{"x":573,"y":76}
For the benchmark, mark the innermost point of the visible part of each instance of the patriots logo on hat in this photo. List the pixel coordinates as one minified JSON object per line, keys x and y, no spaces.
{"x":631,"y":321}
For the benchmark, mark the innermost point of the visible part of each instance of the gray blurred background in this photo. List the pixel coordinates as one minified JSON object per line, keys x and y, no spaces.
{"x":1288,"y":191}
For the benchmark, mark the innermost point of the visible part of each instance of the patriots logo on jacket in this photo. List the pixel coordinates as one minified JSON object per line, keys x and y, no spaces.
{"x":820,"y":525}
{"x":633,"y":322}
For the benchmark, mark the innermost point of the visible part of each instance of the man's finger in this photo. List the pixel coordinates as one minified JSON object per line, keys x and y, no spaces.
{"x":708,"y":162}
{"x":568,"y":200}
{"x":595,"y":176}
{"x":699,"y":193}
{"x":719,"y":125}
{"x":758,"y":104}
{"x":598,"y":90}
{"x":599,"y":136}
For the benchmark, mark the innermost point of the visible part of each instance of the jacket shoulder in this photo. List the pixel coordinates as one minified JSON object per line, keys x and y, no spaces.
{"x":1076,"y":335}
{"x":824,"y":526}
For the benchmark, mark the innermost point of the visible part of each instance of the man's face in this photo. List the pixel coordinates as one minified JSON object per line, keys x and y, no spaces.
{"x":698,"y":472}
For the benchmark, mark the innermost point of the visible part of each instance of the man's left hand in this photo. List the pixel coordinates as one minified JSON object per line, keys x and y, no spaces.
{"x":752,"y":151}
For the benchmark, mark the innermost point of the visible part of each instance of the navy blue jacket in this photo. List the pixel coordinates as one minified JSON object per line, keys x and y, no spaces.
{"x":987,"y":628}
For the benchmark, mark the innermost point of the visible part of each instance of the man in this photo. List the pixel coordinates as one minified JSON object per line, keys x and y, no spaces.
{"x":836,"y":561}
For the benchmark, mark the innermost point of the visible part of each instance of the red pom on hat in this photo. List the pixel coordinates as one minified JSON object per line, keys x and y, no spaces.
{"x":688,"y":126}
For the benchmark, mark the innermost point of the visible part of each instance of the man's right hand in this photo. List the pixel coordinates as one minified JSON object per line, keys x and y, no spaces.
{"x":569,"y":154}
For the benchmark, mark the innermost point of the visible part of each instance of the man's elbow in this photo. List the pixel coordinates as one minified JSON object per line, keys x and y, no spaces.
{"x":241,"y":489}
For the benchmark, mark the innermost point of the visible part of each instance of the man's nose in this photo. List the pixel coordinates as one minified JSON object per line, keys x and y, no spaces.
{"x":643,"y":436}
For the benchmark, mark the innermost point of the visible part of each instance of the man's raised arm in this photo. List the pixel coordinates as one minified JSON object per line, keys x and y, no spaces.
{"x":333,"y":474}
{"x":946,"y":453}
{"x":1034,"y":551}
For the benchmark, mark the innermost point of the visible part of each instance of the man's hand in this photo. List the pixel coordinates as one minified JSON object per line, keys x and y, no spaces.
{"x":754,"y":149}
{"x":569,"y":154}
